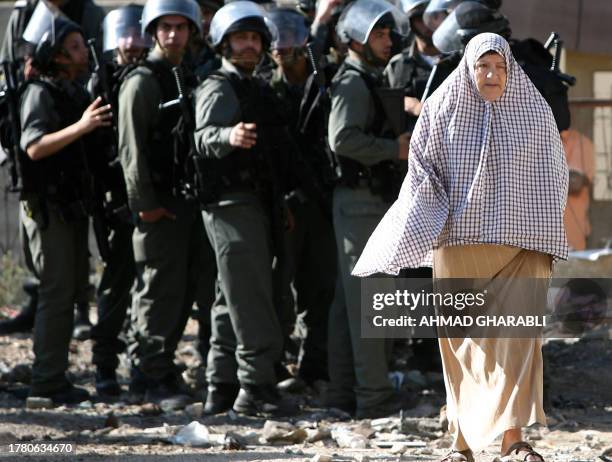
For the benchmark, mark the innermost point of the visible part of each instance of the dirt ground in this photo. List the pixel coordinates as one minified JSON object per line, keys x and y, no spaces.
{"x":579,"y":380}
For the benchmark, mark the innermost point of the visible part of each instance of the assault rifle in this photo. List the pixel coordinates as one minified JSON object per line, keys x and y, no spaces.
{"x":191,"y":165}
{"x":307,"y":110}
{"x":10,"y":132}
{"x":554,"y":41}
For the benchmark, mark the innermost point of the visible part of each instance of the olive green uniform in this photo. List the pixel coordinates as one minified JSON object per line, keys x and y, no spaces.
{"x":171,"y":254}
{"x":54,"y":229}
{"x":246,"y":339}
{"x":411,"y":71}
{"x":310,"y":259}
{"x":357,"y":366}
{"x":13,"y":50}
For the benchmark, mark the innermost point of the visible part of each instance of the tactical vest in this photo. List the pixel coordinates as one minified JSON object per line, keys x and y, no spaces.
{"x":166,"y":151}
{"x":410,"y":75}
{"x":376,"y":127}
{"x":261,"y":168}
{"x":312,"y":142}
{"x":536,"y":62}
{"x":107,"y":167}
{"x":59,"y":178}
{"x":385,"y":177}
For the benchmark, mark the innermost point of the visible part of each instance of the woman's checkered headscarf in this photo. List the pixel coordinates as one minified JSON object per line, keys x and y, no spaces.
{"x":479,"y":172}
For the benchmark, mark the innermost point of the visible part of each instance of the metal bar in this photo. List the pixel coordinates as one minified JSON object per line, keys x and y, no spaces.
{"x":586,"y":102}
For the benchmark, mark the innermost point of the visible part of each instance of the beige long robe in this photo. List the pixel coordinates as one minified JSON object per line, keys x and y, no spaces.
{"x":492,"y":384}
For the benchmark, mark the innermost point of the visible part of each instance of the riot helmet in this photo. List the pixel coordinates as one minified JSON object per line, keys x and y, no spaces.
{"x":292,"y":36}
{"x":414,"y":10}
{"x":413,"y":7}
{"x":155,"y":9}
{"x":360,"y":17}
{"x":241,"y":15}
{"x":465,"y":22}
{"x":291,"y":27}
{"x":438,"y":10}
{"x":46,"y":31}
{"x":124,"y":24}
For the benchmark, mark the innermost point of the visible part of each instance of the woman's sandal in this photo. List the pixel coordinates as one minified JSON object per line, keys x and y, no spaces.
{"x":459,"y":456}
{"x":523,"y":448}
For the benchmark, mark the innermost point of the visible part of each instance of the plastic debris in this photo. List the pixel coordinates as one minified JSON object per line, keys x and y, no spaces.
{"x":195,"y":434}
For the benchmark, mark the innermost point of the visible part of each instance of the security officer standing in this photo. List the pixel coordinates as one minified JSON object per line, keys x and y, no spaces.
{"x":243,"y":213}
{"x":88,"y":16}
{"x":168,"y":240}
{"x":56,"y":115}
{"x":416,"y":71}
{"x":202,"y":58}
{"x":358,"y":367}
{"x":411,"y":68}
{"x":310,"y":263}
{"x":124,"y":40}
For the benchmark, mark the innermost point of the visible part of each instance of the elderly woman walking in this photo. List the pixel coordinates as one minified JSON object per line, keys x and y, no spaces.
{"x":483,"y":198}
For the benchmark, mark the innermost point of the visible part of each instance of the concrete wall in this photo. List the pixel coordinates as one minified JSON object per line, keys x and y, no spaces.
{"x":583,"y":24}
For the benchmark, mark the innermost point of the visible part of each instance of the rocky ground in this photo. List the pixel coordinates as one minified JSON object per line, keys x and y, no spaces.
{"x":580,"y":418}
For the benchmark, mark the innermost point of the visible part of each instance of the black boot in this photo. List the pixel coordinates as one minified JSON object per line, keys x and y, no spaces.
{"x":82,"y":324}
{"x":261,"y":399}
{"x":67,"y":395}
{"x":171,"y":392}
{"x":24,"y":321}
{"x":106,"y":382}
{"x":220,"y":397}
{"x":138,"y":382}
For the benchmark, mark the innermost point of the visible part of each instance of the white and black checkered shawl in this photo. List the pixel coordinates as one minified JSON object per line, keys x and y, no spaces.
{"x":478,"y":172}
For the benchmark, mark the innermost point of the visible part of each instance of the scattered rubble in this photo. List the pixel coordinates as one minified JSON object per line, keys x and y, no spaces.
{"x":35,"y":402}
{"x":321,"y":458}
{"x":194,"y":410}
{"x":347,"y":438}
{"x":112,"y":421}
{"x":283,"y":432}
{"x":579,"y":428}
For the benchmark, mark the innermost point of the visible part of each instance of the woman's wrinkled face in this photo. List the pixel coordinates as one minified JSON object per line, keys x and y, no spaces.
{"x":491,"y":73}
